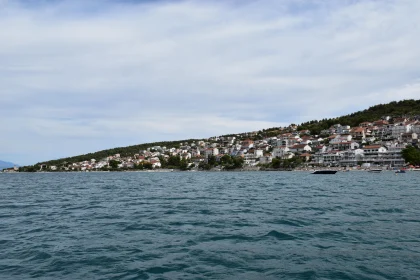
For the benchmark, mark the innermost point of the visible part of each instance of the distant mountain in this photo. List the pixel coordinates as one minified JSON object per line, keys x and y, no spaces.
{"x":5,"y":164}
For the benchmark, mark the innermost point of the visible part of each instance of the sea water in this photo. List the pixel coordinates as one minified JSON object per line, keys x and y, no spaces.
{"x":210,"y":225}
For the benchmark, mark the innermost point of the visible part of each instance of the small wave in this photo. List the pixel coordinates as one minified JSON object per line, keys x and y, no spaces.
{"x":3,"y":216}
{"x":280,"y":235}
{"x":139,"y":227}
{"x":243,"y":224}
{"x":389,"y":210}
{"x":374,"y":272}
{"x":292,"y":223}
{"x":309,"y":274}
{"x":34,"y":255}
{"x":357,"y":214}
{"x":231,"y":237}
{"x":100,"y":261}
{"x":108,"y":217}
{"x":323,"y":247}
{"x":228,"y":261}
{"x":34,"y":213}
{"x":34,"y":230}
{"x":411,"y":220}
{"x":10,"y":268}
{"x":342,"y":276}
{"x":190,"y":243}
{"x":94,"y":207}
{"x":41,"y":256}
{"x":3,"y":241}
{"x":15,"y":206}
{"x":330,"y":235}
{"x":164,"y":269}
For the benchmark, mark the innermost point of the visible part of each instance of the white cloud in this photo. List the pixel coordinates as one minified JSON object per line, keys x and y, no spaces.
{"x":186,"y":69}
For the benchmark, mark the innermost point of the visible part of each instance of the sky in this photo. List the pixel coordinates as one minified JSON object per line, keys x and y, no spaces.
{"x":81,"y":76}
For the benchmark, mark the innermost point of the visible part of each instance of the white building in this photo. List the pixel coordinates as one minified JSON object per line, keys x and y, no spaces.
{"x":398,"y":130}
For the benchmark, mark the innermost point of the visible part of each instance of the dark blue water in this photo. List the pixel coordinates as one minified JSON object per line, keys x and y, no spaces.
{"x":257,"y":225}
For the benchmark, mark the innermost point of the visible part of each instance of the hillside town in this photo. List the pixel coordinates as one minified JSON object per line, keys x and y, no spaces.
{"x":371,"y":144}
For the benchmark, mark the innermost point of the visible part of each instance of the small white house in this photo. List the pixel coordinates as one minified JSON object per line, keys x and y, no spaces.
{"x":300,"y":148}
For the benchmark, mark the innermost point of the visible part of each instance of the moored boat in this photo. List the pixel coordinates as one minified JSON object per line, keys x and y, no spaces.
{"x":375,"y":170}
{"x":400,"y":171}
{"x":324,"y":172}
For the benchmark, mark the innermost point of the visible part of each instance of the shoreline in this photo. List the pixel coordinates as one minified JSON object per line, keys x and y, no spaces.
{"x":235,"y":170}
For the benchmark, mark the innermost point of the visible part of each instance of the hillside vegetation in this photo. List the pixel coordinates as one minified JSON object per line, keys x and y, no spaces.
{"x":393,"y":109}
{"x":123,"y":151}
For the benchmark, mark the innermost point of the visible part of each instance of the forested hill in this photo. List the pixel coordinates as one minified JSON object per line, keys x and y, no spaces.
{"x":123,"y":151}
{"x":393,"y":109}
{"x":407,"y":108}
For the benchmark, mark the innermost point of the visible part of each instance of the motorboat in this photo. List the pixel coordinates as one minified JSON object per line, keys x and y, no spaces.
{"x":324,"y":172}
{"x":375,"y":171}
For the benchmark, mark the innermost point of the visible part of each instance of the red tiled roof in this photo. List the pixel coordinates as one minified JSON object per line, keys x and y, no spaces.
{"x":372,"y":147}
{"x":298,"y":146}
{"x":357,"y":129}
{"x":380,"y":122}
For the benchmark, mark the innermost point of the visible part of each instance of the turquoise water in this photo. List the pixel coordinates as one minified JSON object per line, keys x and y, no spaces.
{"x":193,"y":225}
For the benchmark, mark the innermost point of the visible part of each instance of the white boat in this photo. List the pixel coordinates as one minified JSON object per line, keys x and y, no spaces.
{"x":375,"y":170}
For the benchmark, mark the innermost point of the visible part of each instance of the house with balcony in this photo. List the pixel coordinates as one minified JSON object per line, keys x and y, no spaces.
{"x":340,"y":138}
{"x":398,"y":130}
{"x":345,"y":145}
{"x":343,"y":129}
{"x":279,"y":152}
{"x":375,"y":155}
{"x":358,"y":132}
{"x":351,"y":158}
{"x":300,"y":148}
{"x":331,"y":158}
{"x":366,"y":124}
{"x":265,"y":159}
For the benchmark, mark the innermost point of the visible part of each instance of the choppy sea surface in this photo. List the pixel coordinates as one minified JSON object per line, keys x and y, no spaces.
{"x":203,"y":225}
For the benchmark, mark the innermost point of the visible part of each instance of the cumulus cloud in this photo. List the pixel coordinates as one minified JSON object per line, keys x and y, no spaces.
{"x":92,"y":75}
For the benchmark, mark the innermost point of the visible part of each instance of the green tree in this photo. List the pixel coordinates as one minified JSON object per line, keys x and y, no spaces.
{"x":238,"y":162}
{"x":204,"y":166}
{"x":174,"y":161}
{"x":147,"y":165}
{"x":31,"y":168}
{"x":211,"y":160}
{"x":163,"y":162}
{"x":183,"y":165}
{"x":113,"y":163}
{"x":226,"y":159}
{"x":411,"y":155}
{"x":275,"y":163}
{"x":138,"y":166}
